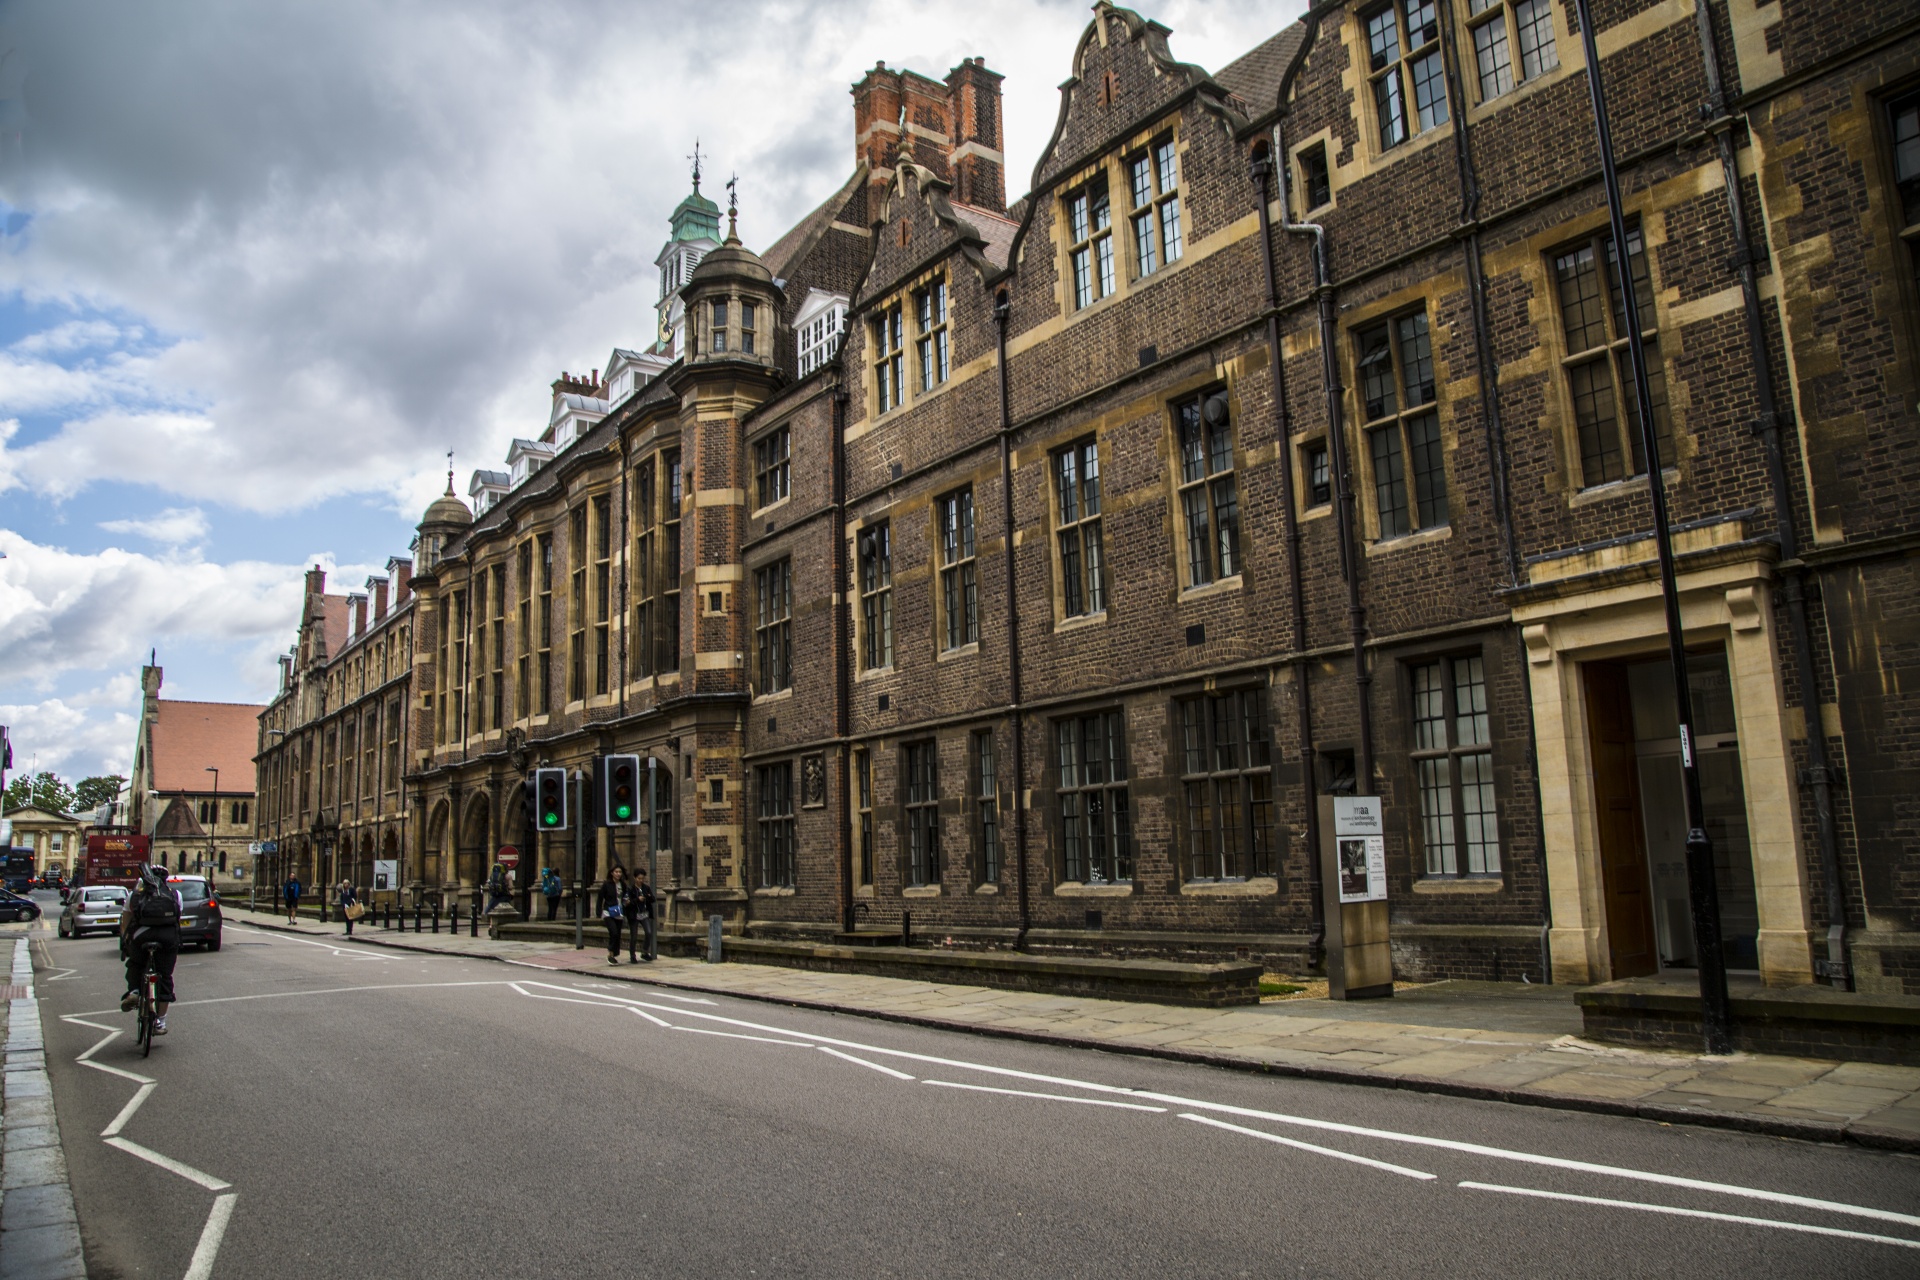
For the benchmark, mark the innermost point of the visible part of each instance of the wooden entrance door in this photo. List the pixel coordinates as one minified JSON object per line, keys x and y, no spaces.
{"x":1623,"y":848}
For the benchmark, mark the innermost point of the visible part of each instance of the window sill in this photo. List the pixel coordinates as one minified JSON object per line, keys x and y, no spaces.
{"x":872,"y":673}
{"x":775,"y":505}
{"x":1256,"y":887}
{"x":986,"y":888}
{"x":1075,"y":889}
{"x":774,"y":891}
{"x":1406,"y":541}
{"x":964,"y":651}
{"x":1614,"y":488}
{"x":921,"y":891}
{"x":1469,"y":885}
{"x":863,"y":891}
{"x":1218,"y":587}
{"x":778,"y":695}
{"x":1080,"y":620}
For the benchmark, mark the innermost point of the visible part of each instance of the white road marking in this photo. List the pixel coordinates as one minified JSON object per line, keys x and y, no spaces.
{"x":687,"y":999}
{"x":210,"y":1236}
{"x":1331,"y":1126}
{"x":168,"y":1163}
{"x":336,"y":948}
{"x":133,"y":1105}
{"x":1308,"y":1146}
{"x":1693,"y":1213}
{"x":658,"y":1022}
{"x":847,"y":1057}
{"x":734,"y":1035}
{"x":1051,"y":1097}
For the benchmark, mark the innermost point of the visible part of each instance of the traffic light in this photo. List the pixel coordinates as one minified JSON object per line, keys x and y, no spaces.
{"x":550,"y":799}
{"x":619,"y":791}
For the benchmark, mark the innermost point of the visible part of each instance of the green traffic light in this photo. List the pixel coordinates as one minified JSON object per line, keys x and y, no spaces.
{"x":553,"y":819}
{"x":624,"y":811}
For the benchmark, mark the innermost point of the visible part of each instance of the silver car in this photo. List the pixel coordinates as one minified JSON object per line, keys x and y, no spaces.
{"x":93,"y":908}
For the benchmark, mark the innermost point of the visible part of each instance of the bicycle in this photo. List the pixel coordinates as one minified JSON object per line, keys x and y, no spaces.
{"x":149,"y":992}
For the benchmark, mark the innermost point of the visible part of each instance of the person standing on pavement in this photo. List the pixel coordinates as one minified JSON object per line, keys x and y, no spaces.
{"x":291,"y":892}
{"x":613,"y":893}
{"x":348,"y":901}
{"x":497,"y":886}
{"x":641,"y":925}
{"x":550,"y":886}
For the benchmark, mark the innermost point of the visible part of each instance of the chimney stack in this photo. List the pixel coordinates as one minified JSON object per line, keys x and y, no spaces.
{"x":954,"y":127}
{"x":978,"y":157}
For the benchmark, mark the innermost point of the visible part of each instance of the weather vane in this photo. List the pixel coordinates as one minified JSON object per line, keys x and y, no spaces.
{"x":695,"y":157}
{"x":449,"y":471}
{"x":733,"y":203}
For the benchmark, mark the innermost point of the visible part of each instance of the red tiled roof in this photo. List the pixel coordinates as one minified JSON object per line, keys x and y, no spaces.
{"x":189,"y":736}
{"x":333,"y":622}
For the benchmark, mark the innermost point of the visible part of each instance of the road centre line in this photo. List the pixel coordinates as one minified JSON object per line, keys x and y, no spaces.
{"x":1051,"y":1097}
{"x":1675,"y":1211}
{"x":1331,"y":1126}
{"x":201,"y":1267}
{"x":1308,"y":1146}
{"x":168,"y":1163}
{"x":658,"y":1022}
{"x":133,"y":1105}
{"x":847,"y":1057}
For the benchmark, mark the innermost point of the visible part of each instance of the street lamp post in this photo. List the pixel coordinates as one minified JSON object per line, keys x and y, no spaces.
{"x":1716,"y":1018}
{"x":211,"y":826}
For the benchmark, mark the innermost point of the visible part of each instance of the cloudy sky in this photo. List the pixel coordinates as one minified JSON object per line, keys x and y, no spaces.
{"x":262,"y":264}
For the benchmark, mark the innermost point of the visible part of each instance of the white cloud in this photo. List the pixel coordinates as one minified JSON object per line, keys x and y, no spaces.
{"x":76,"y":737}
{"x":175,"y":526}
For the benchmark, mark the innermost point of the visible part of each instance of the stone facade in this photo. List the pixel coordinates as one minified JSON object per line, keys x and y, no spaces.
{"x":1271,"y":446}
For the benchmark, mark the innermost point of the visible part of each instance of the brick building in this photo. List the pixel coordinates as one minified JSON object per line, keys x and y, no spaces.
{"x":192,"y":790}
{"x":1272,"y":446}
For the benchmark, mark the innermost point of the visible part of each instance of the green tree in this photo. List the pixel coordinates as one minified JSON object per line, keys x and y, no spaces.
{"x":90,"y":793}
{"x":42,"y":790}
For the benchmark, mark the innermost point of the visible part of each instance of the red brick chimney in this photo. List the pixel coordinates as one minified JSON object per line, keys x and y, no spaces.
{"x":378,"y":586}
{"x":358,"y":600}
{"x":316,"y":581}
{"x":573,"y":382}
{"x":955,"y":130}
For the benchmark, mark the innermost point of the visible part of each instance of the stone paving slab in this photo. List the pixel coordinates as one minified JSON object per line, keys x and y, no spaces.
{"x":1809,"y":1098}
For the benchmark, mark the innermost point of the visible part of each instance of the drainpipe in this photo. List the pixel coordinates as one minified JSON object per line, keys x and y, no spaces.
{"x":1263,"y":166}
{"x":842,"y":657}
{"x":1001,"y":308}
{"x":1772,"y":421}
{"x":1343,"y":499}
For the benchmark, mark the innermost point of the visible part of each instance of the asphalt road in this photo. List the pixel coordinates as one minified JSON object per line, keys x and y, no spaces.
{"x":344,"y":1110}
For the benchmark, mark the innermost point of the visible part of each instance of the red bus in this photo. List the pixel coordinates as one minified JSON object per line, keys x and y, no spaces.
{"x":114,"y":859}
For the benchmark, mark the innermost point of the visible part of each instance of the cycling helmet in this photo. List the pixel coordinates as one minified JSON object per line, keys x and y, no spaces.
{"x":155,"y":877}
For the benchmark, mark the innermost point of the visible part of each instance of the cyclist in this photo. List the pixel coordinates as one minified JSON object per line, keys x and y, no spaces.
{"x":151,"y":922}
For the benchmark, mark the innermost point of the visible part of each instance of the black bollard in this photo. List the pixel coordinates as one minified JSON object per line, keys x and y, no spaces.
{"x":436,"y":915}
{"x":418,"y":908}
{"x":473,"y":925}
{"x":454,"y":915}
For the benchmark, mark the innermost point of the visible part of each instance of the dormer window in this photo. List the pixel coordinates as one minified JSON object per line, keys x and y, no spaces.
{"x":1090,"y":251}
{"x":819,"y":338}
{"x":748,"y":314}
{"x":719,"y":342}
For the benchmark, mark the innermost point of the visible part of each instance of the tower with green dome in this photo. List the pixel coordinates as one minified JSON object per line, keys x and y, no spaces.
{"x":695,"y":233}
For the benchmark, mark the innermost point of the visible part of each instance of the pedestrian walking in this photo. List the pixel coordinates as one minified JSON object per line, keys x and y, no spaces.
{"x":613,"y":893}
{"x":497,"y":886}
{"x":550,"y":886}
{"x":291,"y":892}
{"x":640,"y":917}
{"x":350,"y":909}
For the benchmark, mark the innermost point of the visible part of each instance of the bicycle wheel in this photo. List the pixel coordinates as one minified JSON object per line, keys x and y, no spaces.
{"x":147,"y":1014}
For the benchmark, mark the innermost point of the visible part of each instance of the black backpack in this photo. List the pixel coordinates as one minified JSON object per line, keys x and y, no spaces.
{"x":157,"y":909}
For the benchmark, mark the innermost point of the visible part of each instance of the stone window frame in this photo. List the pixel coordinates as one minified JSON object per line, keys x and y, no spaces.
{"x":1200,"y":764}
{"x":773,"y":626}
{"x":1426,"y":751}
{"x":1492,"y":25}
{"x":1403,"y":65}
{"x":1900,"y":111}
{"x":543,"y":649}
{"x":601,"y":548}
{"x":1223,"y":564}
{"x":818,"y":340}
{"x":886,"y":357}
{"x":1400,"y":421}
{"x":957,"y":594}
{"x":921,"y":863}
{"x":1155,"y":205}
{"x":1313,"y":466}
{"x":874,"y":620}
{"x":1569,"y":55}
{"x":932,"y":344}
{"x":774,"y":824}
{"x":1112,"y":169}
{"x":577,"y":604}
{"x":523,"y":613}
{"x":497,"y":701}
{"x":1087,"y":582}
{"x":1613,"y":351}
{"x":983,"y":798}
{"x":863,"y":816}
{"x":1084,"y":233}
{"x":773,"y":467}
{"x":1074,"y":786}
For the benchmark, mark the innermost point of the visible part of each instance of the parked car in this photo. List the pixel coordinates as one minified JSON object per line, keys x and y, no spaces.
{"x":199,"y":911}
{"x":93,"y":908}
{"x":14,"y":908}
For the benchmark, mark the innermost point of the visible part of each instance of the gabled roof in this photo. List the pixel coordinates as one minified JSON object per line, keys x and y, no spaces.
{"x":178,"y":822}
{"x":1254,"y":77}
{"x":33,"y":812}
{"x":190,"y":736}
{"x":333,"y":629}
{"x":784,"y":252}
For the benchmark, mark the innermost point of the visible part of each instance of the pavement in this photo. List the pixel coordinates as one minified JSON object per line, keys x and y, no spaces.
{"x":1493,"y":1041}
{"x":39,"y":1233}
{"x":326,"y":1108}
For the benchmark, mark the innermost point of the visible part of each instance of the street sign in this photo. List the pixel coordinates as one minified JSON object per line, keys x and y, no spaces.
{"x":1358,"y":831}
{"x":508,"y":857}
{"x":386,"y":874}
